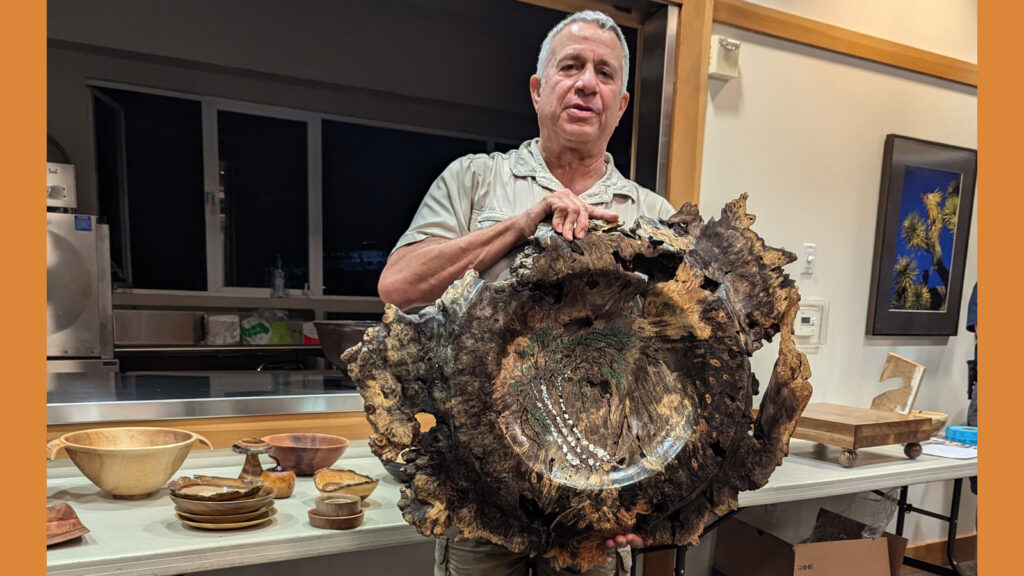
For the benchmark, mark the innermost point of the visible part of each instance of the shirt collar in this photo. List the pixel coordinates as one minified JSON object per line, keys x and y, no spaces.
{"x":528,"y":162}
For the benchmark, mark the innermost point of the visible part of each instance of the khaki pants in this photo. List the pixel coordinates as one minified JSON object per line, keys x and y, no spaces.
{"x":478,"y":558}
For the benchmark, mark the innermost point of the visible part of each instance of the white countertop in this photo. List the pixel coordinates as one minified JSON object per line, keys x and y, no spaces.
{"x":143,"y":537}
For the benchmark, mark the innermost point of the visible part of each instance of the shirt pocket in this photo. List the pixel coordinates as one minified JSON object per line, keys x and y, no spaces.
{"x":481,"y":219}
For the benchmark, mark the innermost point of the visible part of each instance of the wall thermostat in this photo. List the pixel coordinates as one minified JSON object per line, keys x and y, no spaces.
{"x":810,"y":324}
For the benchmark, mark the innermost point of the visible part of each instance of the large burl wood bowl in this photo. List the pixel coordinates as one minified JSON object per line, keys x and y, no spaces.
{"x":130,"y":462}
{"x":604,"y":387}
{"x":306,"y":452}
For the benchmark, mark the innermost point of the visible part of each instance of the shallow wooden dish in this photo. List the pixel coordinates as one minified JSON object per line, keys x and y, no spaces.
{"x":241,"y":506}
{"x":939,"y":420}
{"x":266,"y":516}
{"x":213,"y":488}
{"x":215,"y":519}
{"x":306,"y":452}
{"x":129,"y":462}
{"x":62,"y":524}
{"x":342,"y":481}
{"x":335,"y":522}
{"x":338,"y":504}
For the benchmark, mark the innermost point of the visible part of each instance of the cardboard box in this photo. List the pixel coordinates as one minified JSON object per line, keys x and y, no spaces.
{"x":743,"y":550}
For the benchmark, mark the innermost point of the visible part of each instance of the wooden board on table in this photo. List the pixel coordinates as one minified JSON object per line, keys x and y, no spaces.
{"x":851,"y":427}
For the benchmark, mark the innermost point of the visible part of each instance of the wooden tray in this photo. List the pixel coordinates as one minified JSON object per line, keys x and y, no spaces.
{"x":851,"y":428}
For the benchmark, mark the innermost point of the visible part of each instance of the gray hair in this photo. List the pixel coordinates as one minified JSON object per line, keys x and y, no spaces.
{"x":599,"y":19}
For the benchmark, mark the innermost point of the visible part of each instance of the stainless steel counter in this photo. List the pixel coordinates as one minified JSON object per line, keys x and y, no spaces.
{"x":83,"y":398}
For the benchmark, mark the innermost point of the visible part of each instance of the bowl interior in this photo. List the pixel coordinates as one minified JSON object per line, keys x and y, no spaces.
{"x":118,"y":438}
{"x":306,"y":440}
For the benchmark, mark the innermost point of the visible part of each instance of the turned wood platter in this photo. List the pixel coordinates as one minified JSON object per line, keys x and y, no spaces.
{"x":851,"y":427}
{"x":604,"y":387}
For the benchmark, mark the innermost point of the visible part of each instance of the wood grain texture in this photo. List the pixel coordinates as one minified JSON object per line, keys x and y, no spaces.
{"x":836,"y":39}
{"x":689,"y":105}
{"x":901,"y":399}
{"x":605,"y":387}
{"x":852,"y":427}
{"x":224,"y":432}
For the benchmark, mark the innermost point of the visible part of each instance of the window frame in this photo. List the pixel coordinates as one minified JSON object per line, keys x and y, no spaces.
{"x":210,"y":106}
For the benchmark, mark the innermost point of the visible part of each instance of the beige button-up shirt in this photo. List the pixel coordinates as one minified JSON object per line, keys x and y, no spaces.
{"x":479,"y":190}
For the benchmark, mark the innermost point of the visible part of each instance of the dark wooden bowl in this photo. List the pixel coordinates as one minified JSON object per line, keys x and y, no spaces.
{"x":335,"y":522}
{"x":306,"y":452}
{"x":336,"y":336}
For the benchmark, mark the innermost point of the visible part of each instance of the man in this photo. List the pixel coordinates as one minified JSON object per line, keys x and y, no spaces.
{"x":483,"y":207}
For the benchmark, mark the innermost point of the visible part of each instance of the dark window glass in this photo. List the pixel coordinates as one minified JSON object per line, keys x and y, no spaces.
{"x":162,"y":150}
{"x":621,"y":144}
{"x":374,"y":179}
{"x":264,"y":197}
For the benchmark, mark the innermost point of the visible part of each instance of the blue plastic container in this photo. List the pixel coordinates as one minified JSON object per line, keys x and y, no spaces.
{"x":962,"y":434}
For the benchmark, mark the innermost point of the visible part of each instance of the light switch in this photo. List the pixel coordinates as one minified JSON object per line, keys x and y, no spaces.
{"x":810,"y":255}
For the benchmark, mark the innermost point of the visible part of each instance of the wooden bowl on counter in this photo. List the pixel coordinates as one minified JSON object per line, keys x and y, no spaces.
{"x":338,"y":504}
{"x":341,"y":481}
{"x":335,"y":522}
{"x":129,"y":462}
{"x":225,"y":507}
{"x":306,"y":452}
{"x":939,"y":420}
{"x":213,"y":488}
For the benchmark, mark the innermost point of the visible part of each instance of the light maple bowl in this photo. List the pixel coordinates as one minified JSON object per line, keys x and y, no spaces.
{"x":129,"y":462}
{"x":332,"y":481}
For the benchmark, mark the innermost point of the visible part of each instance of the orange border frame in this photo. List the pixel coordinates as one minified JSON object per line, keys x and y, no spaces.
{"x":24,"y":60}
{"x":23,"y":53}
{"x":999,"y":126}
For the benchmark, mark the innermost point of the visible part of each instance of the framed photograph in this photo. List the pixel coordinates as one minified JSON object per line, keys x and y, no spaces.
{"x":924,"y":219}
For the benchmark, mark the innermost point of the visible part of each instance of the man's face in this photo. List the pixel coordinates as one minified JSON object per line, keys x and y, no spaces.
{"x":578,"y":103}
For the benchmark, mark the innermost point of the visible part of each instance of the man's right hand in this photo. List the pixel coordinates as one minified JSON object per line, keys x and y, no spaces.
{"x":570,"y":216}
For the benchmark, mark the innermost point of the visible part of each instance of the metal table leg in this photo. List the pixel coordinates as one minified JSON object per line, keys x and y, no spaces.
{"x":954,"y":512}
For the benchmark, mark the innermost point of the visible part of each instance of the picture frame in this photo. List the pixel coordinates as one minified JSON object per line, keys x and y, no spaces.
{"x":924,"y":218}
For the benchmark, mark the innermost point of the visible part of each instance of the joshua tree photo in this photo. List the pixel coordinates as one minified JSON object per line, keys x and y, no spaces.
{"x":921,"y":271}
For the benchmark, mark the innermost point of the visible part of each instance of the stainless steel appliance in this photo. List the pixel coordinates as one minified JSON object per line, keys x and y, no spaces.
{"x":79,"y":325}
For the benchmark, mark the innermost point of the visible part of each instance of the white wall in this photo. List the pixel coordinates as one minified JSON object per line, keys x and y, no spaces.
{"x":947,"y":27}
{"x":802,"y":131}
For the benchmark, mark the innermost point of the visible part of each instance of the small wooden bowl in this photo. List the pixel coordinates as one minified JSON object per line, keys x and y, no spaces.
{"x":335,"y":522}
{"x":307,"y":452}
{"x":241,"y":506}
{"x":213,"y":488}
{"x":62,"y":524}
{"x":338,"y":505}
{"x":938,"y":420}
{"x":331,"y":481}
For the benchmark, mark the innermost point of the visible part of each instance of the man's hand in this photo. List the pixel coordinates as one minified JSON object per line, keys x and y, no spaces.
{"x":570,"y":216}
{"x":620,"y":540}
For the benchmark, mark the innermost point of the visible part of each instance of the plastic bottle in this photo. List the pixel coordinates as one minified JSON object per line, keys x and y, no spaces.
{"x":277,"y":283}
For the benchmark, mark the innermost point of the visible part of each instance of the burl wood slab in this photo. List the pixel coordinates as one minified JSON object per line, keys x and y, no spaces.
{"x":604,"y":388}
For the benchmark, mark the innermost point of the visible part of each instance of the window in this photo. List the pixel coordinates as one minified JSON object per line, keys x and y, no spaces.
{"x":374,"y":180}
{"x":149,"y":158}
{"x":263,"y":192}
{"x":206,"y":194}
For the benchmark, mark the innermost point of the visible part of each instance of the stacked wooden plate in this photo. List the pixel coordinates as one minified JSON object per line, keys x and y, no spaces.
{"x":214,"y":503}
